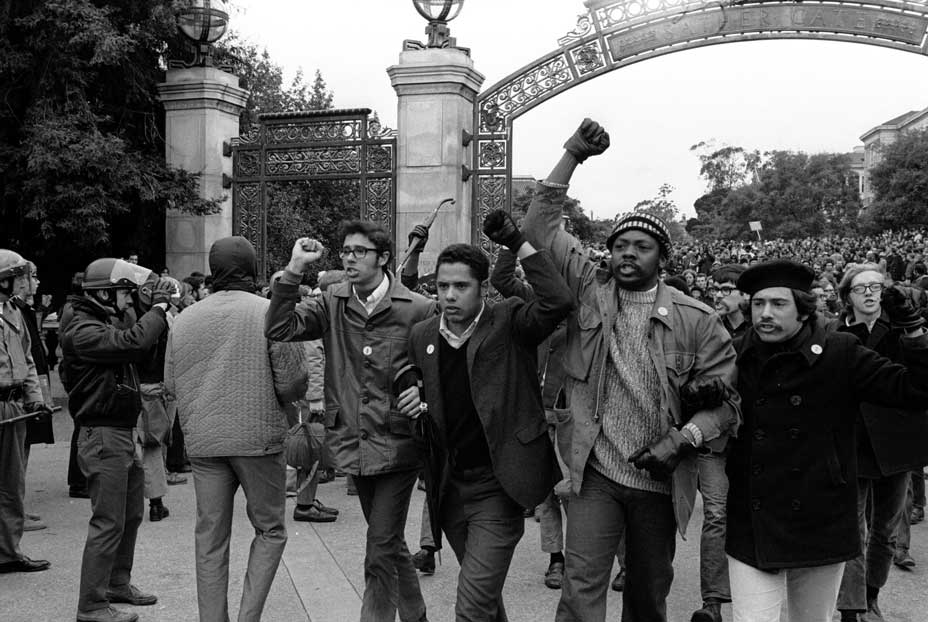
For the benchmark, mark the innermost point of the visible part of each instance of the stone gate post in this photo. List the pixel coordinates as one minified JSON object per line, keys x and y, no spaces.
{"x":436,"y":89}
{"x":202,"y":107}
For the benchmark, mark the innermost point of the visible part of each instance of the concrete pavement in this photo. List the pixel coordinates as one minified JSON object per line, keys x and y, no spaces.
{"x":321,"y":577}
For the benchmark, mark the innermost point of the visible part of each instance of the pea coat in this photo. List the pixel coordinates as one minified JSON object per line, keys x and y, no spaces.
{"x":792,"y":499}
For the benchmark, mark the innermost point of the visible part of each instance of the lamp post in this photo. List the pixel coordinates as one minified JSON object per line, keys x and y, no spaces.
{"x":202,"y":23}
{"x":438,"y":13}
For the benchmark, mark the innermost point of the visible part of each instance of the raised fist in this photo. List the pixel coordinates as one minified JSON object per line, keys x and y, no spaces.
{"x":162,"y":291}
{"x":902,"y":313}
{"x":422,"y":233}
{"x":590,"y":139}
{"x":501,"y":228}
{"x":306,"y":251}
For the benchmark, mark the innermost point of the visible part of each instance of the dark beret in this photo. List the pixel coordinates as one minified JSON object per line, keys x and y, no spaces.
{"x":776,"y":273}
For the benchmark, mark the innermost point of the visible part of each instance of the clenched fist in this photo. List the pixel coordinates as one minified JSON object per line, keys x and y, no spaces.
{"x":306,"y":251}
{"x":502,"y":229}
{"x":590,"y":139}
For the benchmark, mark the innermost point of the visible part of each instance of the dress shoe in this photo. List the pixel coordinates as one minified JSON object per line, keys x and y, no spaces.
{"x":107,"y":614}
{"x":904,"y":560}
{"x":618,"y":584}
{"x":312,"y":514}
{"x":554,"y":576}
{"x":424,"y":561}
{"x":78,"y":493}
{"x":33,"y":516}
{"x":917,"y":515}
{"x":158,"y":512}
{"x":25,"y":565}
{"x":324,"y":508}
{"x":176,"y":478}
{"x":710,"y":612}
{"x":33,"y":525}
{"x":131,"y":595}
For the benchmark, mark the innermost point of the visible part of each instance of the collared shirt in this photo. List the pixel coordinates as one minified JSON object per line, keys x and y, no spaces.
{"x":456,"y":341}
{"x":375,"y":296}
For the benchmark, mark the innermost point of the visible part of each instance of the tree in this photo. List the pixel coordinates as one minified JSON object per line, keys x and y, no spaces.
{"x":726,"y":168}
{"x":900,"y":182}
{"x":665,"y":208}
{"x":589,"y":232}
{"x":82,"y":170}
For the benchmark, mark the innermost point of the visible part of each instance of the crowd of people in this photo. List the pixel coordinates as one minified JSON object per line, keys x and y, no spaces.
{"x":783,"y":381}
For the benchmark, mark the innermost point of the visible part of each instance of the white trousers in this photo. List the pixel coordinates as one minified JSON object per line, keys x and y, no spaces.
{"x":809,"y":593}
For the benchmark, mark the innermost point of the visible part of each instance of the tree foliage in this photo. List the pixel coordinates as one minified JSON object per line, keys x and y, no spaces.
{"x":900,"y":182}
{"x":82,"y":168}
{"x":590,"y":232}
{"x":792,"y":194}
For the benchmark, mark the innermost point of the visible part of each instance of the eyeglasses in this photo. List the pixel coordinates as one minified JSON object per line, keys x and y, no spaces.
{"x":876,"y":288}
{"x":726,"y":289}
{"x":359,"y":252}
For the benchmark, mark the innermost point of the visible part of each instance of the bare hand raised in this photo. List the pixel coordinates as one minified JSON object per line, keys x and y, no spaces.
{"x":306,"y":251}
{"x":590,"y":139}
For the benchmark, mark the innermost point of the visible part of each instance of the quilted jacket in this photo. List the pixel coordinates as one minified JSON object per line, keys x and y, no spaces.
{"x":230,"y":383}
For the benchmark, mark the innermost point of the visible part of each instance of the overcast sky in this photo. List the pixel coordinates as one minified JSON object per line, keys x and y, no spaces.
{"x":797,"y":95}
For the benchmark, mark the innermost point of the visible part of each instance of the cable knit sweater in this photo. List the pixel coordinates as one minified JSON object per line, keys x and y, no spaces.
{"x":631,"y":396}
{"x":229,"y":380}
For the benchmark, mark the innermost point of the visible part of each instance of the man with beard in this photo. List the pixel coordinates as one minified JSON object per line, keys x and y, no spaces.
{"x":730,"y":302}
{"x":635,"y":348}
{"x":364,"y":325}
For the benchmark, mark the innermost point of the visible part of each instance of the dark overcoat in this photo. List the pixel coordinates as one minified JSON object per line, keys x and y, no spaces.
{"x":792,"y":499}
{"x":889,"y":440}
{"x":504,"y":383}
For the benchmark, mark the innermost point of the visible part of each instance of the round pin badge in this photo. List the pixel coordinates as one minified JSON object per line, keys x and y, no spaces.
{"x":816,"y":349}
{"x":367,"y":350}
{"x":662,"y":311}
{"x":430,"y":349}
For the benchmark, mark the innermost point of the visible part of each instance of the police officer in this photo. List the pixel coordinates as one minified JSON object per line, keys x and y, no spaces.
{"x":20,"y":393}
{"x":104,"y":399}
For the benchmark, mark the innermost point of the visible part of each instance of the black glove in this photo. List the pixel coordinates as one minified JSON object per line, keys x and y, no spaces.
{"x":663,"y":456}
{"x":162,"y":291}
{"x":38,"y":408}
{"x":702,"y":393}
{"x":501,"y":229}
{"x":589,"y":139}
{"x":902,"y":313}
{"x":421,"y":232}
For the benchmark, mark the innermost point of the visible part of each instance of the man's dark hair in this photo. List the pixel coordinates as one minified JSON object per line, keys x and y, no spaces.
{"x":806,"y":303}
{"x":378,"y":236}
{"x":919,"y":269}
{"x":468,"y":255}
{"x":728,"y":273}
{"x":77,"y":284}
{"x":677,"y":282}
{"x":194,"y":281}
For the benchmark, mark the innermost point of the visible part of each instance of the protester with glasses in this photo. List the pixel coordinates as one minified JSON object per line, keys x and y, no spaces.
{"x":890,"y":442}
{"x":364,"y":324}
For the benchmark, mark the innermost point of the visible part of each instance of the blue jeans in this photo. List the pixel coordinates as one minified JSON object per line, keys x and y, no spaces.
{"x":885,"y":498}
{"x":713,"y":564}
{"x":596,"y":520}
{"x":390,"y":579}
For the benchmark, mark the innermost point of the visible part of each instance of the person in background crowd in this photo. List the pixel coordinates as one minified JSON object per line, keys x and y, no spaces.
{"x":104,"y":396}
{"x":364,"y":325}
{"x":20,"y":393}
{"x":39,"y":428}
{"x":133,"y":258}
{"x":230,"y":385}
{"x":793,"y":489}
{"x":633,"y":462}
{"x":890,"y":442}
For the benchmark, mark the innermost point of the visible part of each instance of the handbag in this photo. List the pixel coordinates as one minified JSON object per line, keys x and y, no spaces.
{"x":304,"y":445}
{"x":154,"y":422}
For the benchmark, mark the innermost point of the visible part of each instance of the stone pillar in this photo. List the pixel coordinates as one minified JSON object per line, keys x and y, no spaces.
{"x":202,"y":107}
{"x":437,"y":88}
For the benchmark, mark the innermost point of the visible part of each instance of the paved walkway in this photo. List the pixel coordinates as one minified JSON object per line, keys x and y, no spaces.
{"x":321,"y":577}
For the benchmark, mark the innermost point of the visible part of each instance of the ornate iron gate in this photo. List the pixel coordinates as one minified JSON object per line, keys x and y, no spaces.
{"x":306,"y":147}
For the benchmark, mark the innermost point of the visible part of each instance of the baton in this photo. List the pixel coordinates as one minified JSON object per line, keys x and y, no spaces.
{"x":417,"y":241}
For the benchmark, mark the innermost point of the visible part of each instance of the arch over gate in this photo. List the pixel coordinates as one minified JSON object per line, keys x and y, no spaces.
{"x":614,"y":34}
